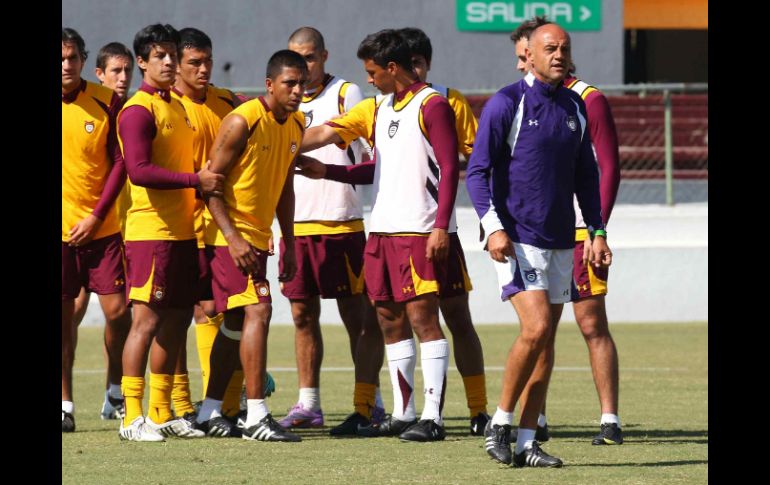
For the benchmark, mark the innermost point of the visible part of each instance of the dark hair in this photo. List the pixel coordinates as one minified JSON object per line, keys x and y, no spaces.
{"x":71,"y":35}
{"x":192,"y":38}
{"x":304,"y":35}
{"x":154,"y":34}
{"x":418,"y":42}
{"x":386,"y":46}
{"x":113,"y":49}
{"x":524,"y":30}
{"x":284,"y":58}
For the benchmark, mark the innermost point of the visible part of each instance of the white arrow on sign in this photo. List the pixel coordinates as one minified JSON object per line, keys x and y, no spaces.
{"x":584,"y":13}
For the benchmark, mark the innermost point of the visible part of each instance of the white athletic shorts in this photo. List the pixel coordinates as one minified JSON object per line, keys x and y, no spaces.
{"x":537,"y":269}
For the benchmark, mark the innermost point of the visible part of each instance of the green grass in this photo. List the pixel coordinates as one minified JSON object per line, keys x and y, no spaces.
{"x":663,"y":408}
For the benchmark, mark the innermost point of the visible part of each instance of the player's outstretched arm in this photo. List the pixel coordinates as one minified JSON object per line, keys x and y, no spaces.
{"x":319,"y":136}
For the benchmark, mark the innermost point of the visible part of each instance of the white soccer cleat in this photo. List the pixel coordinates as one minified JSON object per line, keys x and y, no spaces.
{"x":138,"y":430}
{"x":179,"y":427}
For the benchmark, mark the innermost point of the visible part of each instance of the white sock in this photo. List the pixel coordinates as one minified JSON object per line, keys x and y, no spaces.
{"x":378,"y":402}
{"x":310,"y":397}
{"x":402,"y":358}
{"x":68,"y":406}
{"x":525,"y":439}
{"x":435,"y":360}
{"x":257,"y":410}
{"x":541,"y":421}
{"x":608,"y":418}
{"x":114,"y":391}
{"x":211,"y":408}
{"x":501,"y":418}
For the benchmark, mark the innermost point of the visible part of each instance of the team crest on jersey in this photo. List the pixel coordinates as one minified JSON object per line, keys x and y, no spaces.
{"x":89,"y":126}
{"x":158,"y":293}
{"x":308,"y":118}
{"x":530,"y":275}
{"x":393,"y":128}
{"x":293,"y":147}
{"x":572,"y":123}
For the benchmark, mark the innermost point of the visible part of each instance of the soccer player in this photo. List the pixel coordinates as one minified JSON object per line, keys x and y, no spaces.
{"x":532,"y":153}
{"x":255,"y":149}
{"x":329,"y":243}
{"x":161,"y":251}
{"x":453,"y":301}
{"x":206,"y":105}
{"x":114,"y":69}
{"x":415,"y":182}
{"x":588,"y":301}
{"x":92,"y":176}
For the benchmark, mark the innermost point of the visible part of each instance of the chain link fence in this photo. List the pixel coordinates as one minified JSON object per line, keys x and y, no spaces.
{"x":663,"y":137}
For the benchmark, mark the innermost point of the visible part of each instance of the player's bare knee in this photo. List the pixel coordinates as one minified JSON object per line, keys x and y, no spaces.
{"x":536,"y":335}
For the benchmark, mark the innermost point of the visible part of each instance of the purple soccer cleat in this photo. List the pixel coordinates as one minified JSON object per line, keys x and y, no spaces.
{"x":299,"y":417}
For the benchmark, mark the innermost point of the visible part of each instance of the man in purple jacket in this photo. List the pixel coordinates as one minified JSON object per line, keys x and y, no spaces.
{"x":532,"y":153}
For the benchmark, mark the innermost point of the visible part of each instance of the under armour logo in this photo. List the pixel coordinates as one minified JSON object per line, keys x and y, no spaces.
{"x":533,"y":122}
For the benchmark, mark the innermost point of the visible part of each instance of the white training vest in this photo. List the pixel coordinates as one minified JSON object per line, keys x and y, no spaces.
{"x":406,"y":175}
{"x":579,"y":87}
{"x":326,"y":200}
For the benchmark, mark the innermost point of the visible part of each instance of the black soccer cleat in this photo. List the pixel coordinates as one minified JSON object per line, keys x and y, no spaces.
{"x":350,"y":426}
{"x":424,"y":430}
{"x":389,"y":426}
{"x":478,"y":423}
{"x":610,"y":434}
{"x":67,"y":422}
{"x":497,"y":442}
{"x":535,"y":457}
{"x":268,"y":429}
{"x":219,"y":427}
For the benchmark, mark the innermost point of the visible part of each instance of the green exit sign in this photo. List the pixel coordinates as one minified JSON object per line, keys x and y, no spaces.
{"x":505,"y":16}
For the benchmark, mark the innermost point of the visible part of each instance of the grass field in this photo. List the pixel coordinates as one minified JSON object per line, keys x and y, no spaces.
{"x":663,"y":408}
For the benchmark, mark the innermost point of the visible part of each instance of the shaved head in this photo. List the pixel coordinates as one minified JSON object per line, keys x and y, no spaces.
{"x":308,"y":35}
{"x":549,"y":54}
{"x":547,"y":30}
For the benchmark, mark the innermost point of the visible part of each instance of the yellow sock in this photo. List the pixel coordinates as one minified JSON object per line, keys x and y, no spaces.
{"x":363,"y":398}
{"x":205,"y":333}
{"x":231,"y":404}
{"x":160,"y":398}
{"x":180,"y":394}
{"x":476,"y":393}
{"x":133,"y":392}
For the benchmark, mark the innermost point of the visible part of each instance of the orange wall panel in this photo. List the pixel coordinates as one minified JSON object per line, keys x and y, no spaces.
{"x":665,"y":14}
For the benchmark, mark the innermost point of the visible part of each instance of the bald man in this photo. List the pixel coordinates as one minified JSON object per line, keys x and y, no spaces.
{"x":530,"y":219}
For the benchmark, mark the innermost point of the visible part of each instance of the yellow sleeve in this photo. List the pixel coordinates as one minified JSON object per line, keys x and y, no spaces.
{"x":465,"y":123}
{"x":356,"y":123}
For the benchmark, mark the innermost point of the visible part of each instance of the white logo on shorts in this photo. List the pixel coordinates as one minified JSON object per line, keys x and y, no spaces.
{"x":572,"y":123}
{"x":530,"y":274}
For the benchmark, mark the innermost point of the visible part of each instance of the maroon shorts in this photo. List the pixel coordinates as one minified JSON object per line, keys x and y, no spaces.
{"x":395,"y":268}
{"x":231,"y":288}
{"x":164,"y":273}
{"x":327,"y":265}
{"x":204,"y":277}
{"x":97,"y":266}
{"x":589,"y":281}
{"x":456,"y":280}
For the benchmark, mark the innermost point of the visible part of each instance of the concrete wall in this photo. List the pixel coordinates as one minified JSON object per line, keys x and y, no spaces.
{"x":659,"y":273}
{"x":245,"y":34}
